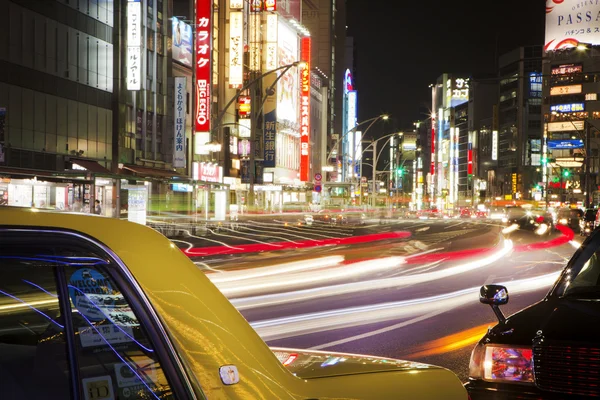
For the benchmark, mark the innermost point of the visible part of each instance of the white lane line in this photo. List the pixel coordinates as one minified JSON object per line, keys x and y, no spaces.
{"x":379,"y":331}
{"x":423,"y":229}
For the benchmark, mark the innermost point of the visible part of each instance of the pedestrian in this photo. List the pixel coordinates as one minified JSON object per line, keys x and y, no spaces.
{"x":98,"y":209}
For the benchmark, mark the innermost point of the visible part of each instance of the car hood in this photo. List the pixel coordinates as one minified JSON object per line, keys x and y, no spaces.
{"x":309,"y":364}
{"x":553,"y":319}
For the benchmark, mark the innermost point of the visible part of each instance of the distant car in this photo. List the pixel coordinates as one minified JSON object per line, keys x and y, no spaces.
{"x":466,"y":213}
{"x":570,"y":217}
{"x":480,"y":214}
{"x":549,"y":350}
{"x":587,"y":222}
{"x":174,"y":335}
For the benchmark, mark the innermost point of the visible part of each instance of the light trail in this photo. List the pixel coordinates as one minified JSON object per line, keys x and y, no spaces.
{"x":295,"y":266}
{"x":363,"y":286}
{"x":210,"y":240}
{"x":241,"y":234}
{"x":449,"y":343}
{"x":295,"y":280}
{"x":303,"y":324}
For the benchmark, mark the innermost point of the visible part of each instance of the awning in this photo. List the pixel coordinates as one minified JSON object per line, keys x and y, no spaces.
{"x":52,"y":176}
{"x":147,"y":172}
{"x":89,"y":165}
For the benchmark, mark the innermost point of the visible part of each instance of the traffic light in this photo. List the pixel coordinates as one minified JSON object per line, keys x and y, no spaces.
{"x":544,"y":160}
{"x":399,"y":171}
{"x":566,"y":173}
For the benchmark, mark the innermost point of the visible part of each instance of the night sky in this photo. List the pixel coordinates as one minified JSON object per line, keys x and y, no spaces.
{"x":403,"y":46}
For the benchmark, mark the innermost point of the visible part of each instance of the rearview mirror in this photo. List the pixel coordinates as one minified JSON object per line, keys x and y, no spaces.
{"x":494,"y":295}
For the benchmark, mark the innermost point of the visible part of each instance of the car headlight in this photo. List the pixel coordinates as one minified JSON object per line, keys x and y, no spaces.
{"x":502,"y":364}
{"x":563,"y":221}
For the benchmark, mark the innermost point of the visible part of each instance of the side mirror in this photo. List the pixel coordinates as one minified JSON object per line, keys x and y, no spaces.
{"x":494,"y":295}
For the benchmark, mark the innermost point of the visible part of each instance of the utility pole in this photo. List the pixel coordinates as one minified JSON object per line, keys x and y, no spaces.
{"x":374,"y":144}
{"x":588,"y":156}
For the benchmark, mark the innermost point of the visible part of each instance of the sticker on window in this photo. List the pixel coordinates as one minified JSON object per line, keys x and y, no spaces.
{"x":98,"y":336}
{"x":98,"y":388}
{"x":93,"y":296}
{"x":131,"y":384}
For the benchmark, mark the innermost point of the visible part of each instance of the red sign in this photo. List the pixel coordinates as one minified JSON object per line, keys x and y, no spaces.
{"x":432,"y":147}
{"x":203,"y":64}
{"x":304,"y":109}
{"x":209,"y":172}
{"x":244,"y":106}
{"x":470,"y":160}
{"x":270,"y":5}
{"x":256,"y":5}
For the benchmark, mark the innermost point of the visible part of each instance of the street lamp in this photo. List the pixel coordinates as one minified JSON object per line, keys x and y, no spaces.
{"x":372,"y":121}
{"x":373,"y":144}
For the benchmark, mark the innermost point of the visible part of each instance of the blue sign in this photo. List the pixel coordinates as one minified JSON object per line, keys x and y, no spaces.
{"x":565,"y":108}
{"x":182,"y":187}
{"x":565,"y":144}
{"x":535,"y":84}
{"x":270,"y":132}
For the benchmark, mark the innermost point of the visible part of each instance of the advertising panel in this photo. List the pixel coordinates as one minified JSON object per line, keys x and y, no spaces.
{"x":567,"y":108}
{"x":179,"y":120}
{"x":236,"y":48}
{"x":567,"y":69}
{"x":203,"y":64}
{"x":290,"y":9}
{"x":565,"y":126}
{"x":569,"y":22}
{"x":535,"y":84}
{"x":305,"y":110}
{"x":352,"y":100}
{"x":182,"y":43}
{"x":562,"y":90}
{"x":287,"y":86}
{"x":270,"y":133}
{"x":565,"y":144}
{"x":494,"y":145}
{"x":134,"y":42}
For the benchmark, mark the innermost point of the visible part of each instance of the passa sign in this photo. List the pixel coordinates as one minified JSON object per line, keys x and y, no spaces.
{"x":305,"y":109}
{"x":207,"y":172}
{"x":203,"y":64}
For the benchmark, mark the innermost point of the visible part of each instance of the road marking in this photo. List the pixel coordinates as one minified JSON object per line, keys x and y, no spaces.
{"x":379,"y":331}
{"x":423,"y":229}
{"x":450,"y":226}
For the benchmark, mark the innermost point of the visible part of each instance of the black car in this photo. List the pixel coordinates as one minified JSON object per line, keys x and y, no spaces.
{"x":587,"y":222}
{"x":549,"y":350}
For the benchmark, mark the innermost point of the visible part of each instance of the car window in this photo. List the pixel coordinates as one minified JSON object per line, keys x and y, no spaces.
{"x":112,"y":345}
{"x":114,"y":357}
{"x":584,"y":282}
{"x":33,"y":351}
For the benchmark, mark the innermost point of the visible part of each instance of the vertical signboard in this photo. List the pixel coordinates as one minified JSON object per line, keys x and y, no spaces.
{"x":134,"y":42}
{"x":203,"y":64}
{"x":352,"y":100}
{"x":305,"y":109}
{"x":179,"y":136}
{"x":236,"y":48}
{"x":270,"y":106}
{"x":494,"y":145}
{"x":270,"y":5}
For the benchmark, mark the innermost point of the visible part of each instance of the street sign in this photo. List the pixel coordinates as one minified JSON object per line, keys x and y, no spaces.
{"x":317,"y":188}
{"x":318,"y":176}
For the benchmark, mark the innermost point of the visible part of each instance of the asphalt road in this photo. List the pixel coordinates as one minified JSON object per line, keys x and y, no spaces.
{"x":413,"y":297}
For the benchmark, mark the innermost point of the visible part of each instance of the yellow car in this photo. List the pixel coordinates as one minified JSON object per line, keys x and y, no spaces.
{"x":96,"y":308}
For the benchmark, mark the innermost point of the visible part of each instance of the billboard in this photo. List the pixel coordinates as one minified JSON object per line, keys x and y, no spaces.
{"x":569,"y":22}
{"x":565,"y":144}
{"x":567,"y":108}
{"x":287,"y":86}
{"x":134,"y":43}
{"x":204,"y":10}
{"x":236,"y":48}
{"x":182,"y":43}
{"x":179,"y":120}
{"x":305,"y":110}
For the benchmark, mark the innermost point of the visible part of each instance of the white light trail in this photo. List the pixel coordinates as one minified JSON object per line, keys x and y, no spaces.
{"x":369,"y":285}
{"x":278,"y":269}
{"x":308,"y":278}
{"x":303,"y":324}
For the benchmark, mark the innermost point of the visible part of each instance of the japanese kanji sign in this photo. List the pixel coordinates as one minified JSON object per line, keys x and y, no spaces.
{"x":179,"y":115}
{"x":203,"y":64}
{"x":134,"y":42}
{"x":305,"y":109}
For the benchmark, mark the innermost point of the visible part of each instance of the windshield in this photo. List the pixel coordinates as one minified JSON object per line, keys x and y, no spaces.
{"x":582,"y":276}
{"x":590,"y":215}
